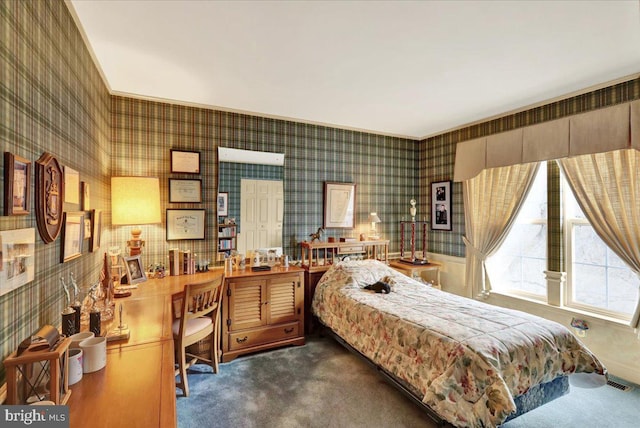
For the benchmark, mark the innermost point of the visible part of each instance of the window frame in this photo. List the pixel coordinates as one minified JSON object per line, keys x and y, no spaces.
{"x":568,"y":223}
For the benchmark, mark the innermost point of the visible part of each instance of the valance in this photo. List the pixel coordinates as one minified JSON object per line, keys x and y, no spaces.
{"x":598,"y":131}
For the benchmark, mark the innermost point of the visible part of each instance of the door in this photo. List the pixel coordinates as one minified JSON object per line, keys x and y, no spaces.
{"x":261,"y":214}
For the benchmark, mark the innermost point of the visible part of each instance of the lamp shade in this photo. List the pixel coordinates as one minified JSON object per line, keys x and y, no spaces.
{"x":373,"y":218}
{"x":135,"y":200}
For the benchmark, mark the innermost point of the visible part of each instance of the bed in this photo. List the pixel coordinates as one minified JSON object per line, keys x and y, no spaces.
{"x":470,"y":363}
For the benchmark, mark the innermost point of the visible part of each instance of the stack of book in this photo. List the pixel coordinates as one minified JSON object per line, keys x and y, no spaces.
{"x":181,"y":262}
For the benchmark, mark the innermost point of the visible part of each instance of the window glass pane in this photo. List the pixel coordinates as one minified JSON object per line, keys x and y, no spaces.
{"x":532,"y":280}
{"x":599,"y":278}
{"x":590,"y":285}
{"x":520,"y":262}
{"x":535,"y":207}
{"x":588,"y":247}
{"x":623,"y":295}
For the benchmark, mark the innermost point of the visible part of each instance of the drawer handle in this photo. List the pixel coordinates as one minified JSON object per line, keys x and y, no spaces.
{"x":244,"y":339}
{"x":288,"y":330}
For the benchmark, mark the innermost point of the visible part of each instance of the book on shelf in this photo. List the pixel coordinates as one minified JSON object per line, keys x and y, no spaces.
{"x":227,"y":231}
{"x":225,"y":244}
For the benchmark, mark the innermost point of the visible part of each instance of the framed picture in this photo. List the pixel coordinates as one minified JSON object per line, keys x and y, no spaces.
{"x":223,"y":204}
{"x":71,"y":185}
{"x":182,"y":190}
{"x":185,"y":224}
{"x":185,"y":161}
{"x":87,"y":227}
{"x":17,"y":185}
{"x":72,"y":236}
{"x":135,"y":270}
{"x":96,"y":230}
{"x":441,"y":205}
{"x":86,"y":196}
{"x":339,"y":205}
{"x":17,"y":250}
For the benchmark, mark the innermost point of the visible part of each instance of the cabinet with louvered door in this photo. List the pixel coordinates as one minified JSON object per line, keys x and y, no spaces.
{"x":262,"y":310}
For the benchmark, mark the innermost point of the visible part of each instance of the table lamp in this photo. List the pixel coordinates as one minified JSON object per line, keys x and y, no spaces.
{"x":373,"y":218}
{"x":135,"y":201}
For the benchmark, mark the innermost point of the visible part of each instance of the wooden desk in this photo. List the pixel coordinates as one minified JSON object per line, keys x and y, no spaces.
{"x":137,"y":387}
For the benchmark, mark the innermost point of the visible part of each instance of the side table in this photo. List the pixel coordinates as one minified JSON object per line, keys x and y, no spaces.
{"x":415,"y":271}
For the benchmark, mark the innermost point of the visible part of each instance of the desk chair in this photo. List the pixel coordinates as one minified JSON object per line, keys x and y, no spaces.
{"x":196,"y":313}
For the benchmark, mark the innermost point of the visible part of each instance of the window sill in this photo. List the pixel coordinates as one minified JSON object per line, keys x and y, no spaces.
{"x":512,"y":298}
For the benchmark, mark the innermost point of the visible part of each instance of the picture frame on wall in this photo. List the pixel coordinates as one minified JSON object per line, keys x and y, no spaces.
{"x":135,"y":270}
{"x":223,"y":204}
{"x":441,"y":205}
{"x":17,"y":266}
{"x":17,"y":185}
{"x":96,"y":230}
{"x":86,"y":196}
{"x":72,"y":236}
{"x":185,"y":161}
{"x":71,"y":185}
{"x":185,"y":190}
{"x":185,"y":224}
{"x":339,"y":205}
{"x":87,"y":227}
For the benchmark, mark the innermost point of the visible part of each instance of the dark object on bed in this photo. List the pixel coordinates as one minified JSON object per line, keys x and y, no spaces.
{"x":379,"y":287}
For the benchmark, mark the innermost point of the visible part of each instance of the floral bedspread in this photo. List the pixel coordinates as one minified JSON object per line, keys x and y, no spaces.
{"x":468,"y":358}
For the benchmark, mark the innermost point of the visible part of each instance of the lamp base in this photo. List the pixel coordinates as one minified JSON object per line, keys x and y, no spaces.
{"x":135,"y":246}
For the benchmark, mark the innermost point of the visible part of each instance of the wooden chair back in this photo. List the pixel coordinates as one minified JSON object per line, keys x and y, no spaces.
{"x":198,"y":300}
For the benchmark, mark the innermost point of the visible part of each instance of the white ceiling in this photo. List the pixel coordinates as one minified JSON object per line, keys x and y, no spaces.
{"x":401,"y":68}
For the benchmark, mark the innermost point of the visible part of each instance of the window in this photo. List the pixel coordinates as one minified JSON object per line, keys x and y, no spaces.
{"x":519,"y":264}
{"x":597,"y":280}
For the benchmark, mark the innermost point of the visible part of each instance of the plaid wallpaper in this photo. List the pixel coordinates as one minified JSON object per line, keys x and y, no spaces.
{"x":383,"y":168}
{"x":52,"y":99}
{"x":438,"y":156}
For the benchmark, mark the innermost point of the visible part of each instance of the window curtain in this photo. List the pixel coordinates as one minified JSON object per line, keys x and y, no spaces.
{"x":492,"y":200}
{"x":607,"y":187}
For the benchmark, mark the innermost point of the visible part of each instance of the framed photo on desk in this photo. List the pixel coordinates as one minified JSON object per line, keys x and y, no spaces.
{"x":135,"y":270}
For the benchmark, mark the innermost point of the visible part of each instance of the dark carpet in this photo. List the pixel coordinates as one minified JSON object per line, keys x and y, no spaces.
{"x":321,"y":384}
